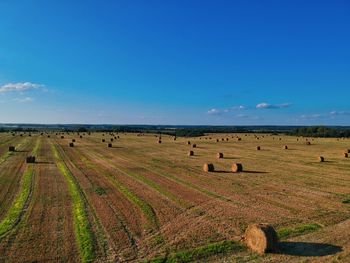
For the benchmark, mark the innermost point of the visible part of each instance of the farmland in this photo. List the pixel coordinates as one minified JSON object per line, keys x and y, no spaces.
{"x":145,"y":201}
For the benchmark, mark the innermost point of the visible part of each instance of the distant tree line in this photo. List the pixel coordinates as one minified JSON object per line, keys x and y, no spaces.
{"x":189,"y":131}
{"x":321,"y":131}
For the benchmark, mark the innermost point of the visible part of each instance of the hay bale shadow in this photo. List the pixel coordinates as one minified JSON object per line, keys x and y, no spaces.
{"x":307,"y":249}
{"x":44,"y":162}
{"x":254,"y":172}
{"x":222,"y":172}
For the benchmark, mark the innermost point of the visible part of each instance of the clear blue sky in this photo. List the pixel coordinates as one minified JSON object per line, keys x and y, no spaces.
{"x":175,"y":62}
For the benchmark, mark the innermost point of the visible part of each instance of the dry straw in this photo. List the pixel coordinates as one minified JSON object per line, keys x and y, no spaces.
{"x":219,"y":155}
{"x":208,"y":167}
{"x":261,"y":238}
{"x":237,"y":167}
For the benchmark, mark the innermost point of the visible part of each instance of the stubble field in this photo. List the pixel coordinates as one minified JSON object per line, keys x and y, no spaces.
{"x":141,"y":200}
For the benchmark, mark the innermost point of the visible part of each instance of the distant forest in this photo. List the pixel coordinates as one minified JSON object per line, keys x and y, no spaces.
{"x":321,"y":131}
{"x":185,"y":131}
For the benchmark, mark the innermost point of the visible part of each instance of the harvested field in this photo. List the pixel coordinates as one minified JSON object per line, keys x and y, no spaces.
{"x":140,"y":201}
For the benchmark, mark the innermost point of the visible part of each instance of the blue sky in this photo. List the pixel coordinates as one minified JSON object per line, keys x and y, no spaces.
{"x":175,"y":62}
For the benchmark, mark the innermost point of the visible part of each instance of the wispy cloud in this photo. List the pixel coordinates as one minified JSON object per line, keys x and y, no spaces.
{"x":240,"y":107}
{"x":262,"y":105}
{"x":327,"y":115}
{"x":339,"y":113}
{"x":23,"y":100}
{"x":19,"y":87}
{"x":245,"y":116}
{"x":215,"y":112}
{"x":265,"y":105}
{"x":312,"y":116}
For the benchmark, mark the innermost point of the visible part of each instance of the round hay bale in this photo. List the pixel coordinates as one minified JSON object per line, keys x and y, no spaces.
{"x":71,"y":144}
{"x":110,"y":145}
{"x":320,"y":159}
{"x":261,"y":238}
{"x":194,"y":145}
{"x":111,"y":139}
{"x":219,"y":155}
{"x":258,"y":148}
{"x":217,"y":140}
{"x":239,"y":139}
{"x":81,"y":137}
{"x":347,"y":151}
{"x":30,"y":159}
{"x":227,"y":139}
{"x":222,"y":139}
{"x":208,"y":167}
{"x":159,"y":141}
{"x":103,"y":140}
{"x":190,"y":153}
{"x":308,"y":143}
{"x":285,"y":147}
{"x":346,"y":155}
{"x":237,"y":167}
{"x":188,"y":143}
{"x":12,"y":148}
{"x":73,"y":140}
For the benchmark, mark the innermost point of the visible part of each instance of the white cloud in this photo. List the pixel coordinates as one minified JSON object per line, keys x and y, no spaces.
{"x":214,"y":112}
{"x":312,"y":116}
{"x":332,"y":114}
{"x":220,"y":111}
{"x":23,"y":100}
{"x":19,"y":87}
{"x":265,"y":105}
{"x":339,"y":113}
{"x":240,"y":107}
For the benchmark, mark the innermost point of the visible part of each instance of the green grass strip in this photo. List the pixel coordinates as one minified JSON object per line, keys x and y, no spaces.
{"x":14,"y":214}
{"x":148,"y":182}
{"x":203,"y":252}
{"x":17,"y":209}
{"x":83,"y":231}
{"x":6,"y":155}
{"x":146,"y":209}
{"x":287,"y":232}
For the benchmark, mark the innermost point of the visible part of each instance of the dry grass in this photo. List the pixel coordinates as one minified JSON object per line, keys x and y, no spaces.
{"x":286,"y":189}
